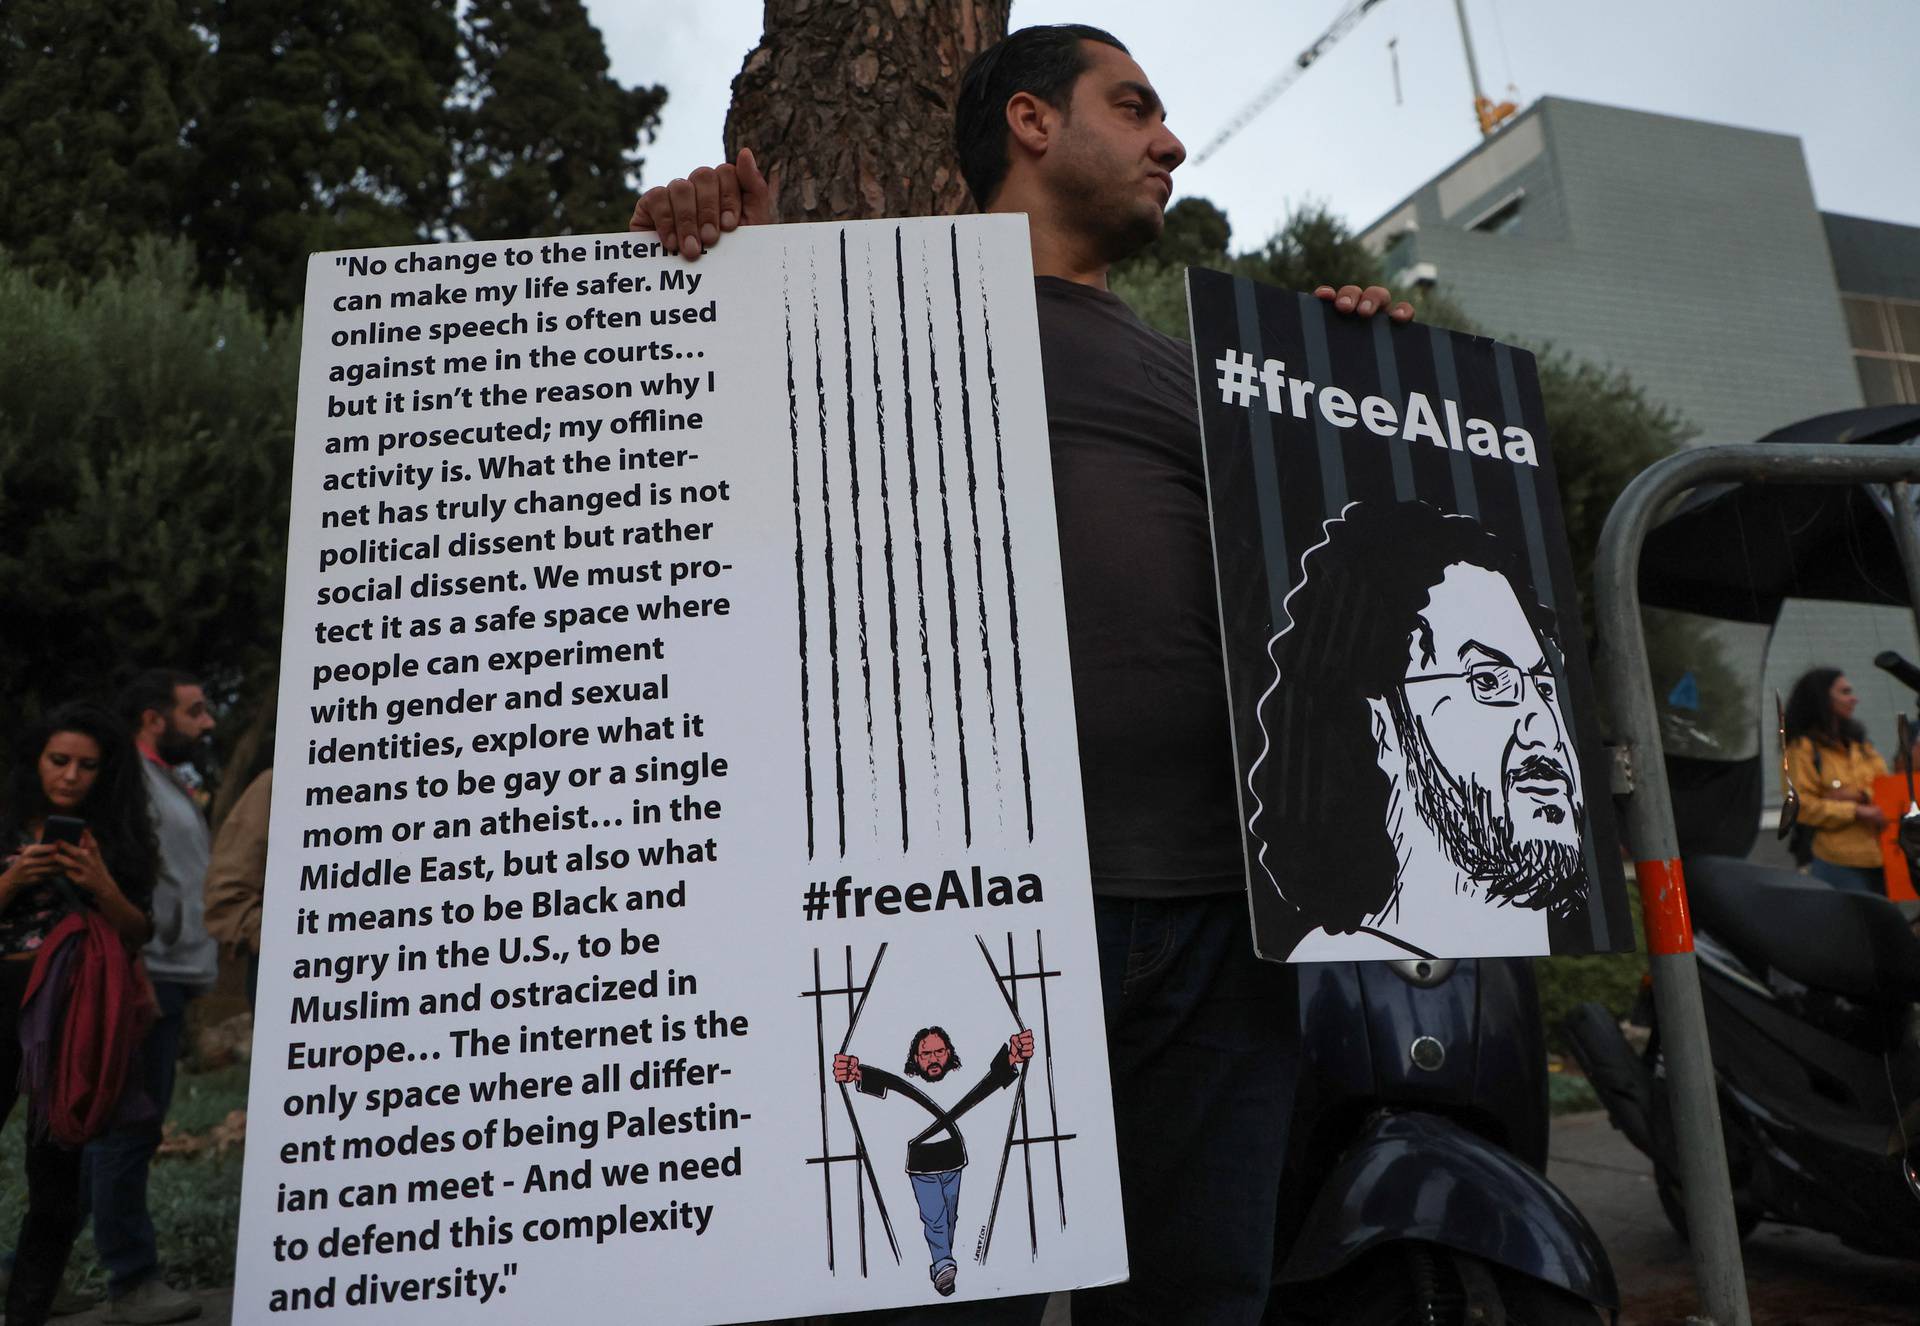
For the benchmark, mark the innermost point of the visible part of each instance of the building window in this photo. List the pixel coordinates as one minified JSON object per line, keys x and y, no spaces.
{"x":1502,"y":217}
{"x":1886,"y":347}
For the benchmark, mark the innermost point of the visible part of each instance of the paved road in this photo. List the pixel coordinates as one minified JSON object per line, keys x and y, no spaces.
{"x":1795,"y":1277}
{"x":216,"y":1309}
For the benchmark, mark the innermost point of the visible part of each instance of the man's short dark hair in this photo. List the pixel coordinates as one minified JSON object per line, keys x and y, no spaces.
{"x":1046,"y":61}
{"x":913,"y":1050}
{"x":151,"y":689}
{"x":1323,"y":796}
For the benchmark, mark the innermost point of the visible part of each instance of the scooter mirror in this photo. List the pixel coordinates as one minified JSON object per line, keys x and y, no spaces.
{"x":1907,"y":836}
{"x":1790,"y":801}
{"x":1903,"y":1138}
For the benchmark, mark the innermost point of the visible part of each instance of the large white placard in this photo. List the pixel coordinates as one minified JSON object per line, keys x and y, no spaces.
{"x":674,"y":711}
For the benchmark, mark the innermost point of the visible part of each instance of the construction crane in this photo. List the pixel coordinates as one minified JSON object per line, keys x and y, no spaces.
{"x":1489,"y":114}
{"x":1341,"y":25}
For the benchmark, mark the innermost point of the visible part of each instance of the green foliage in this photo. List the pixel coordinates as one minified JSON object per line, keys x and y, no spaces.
{"x":1611,"y":979}
{"x":202,"y":1100}
{"x":1313,"y":248}
{"x":94,"y":101}
{"x":146,"y":434}
{"x":1196,"y":234}
{"x":268,"y":130}
{"x":145,"y":420}
{"x":1604,"y":431}
{"x":544,"y":139}
{"x":1569,"y":1093}
{"x":324,"y":128}
{"x":195,"y":1204}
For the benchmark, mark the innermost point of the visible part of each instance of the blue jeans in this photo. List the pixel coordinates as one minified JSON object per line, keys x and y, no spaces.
{"x":1857,"y":879}
{"x":938,"y":1196}
{"x":1204,"y":1045}
{"x":115,"y":1167}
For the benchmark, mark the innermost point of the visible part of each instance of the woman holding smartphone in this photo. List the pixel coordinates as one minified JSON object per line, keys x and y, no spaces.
{"x":73,"y":829}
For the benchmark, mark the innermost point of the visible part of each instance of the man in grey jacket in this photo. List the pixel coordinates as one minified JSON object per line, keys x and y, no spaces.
{"x":167,"y":712}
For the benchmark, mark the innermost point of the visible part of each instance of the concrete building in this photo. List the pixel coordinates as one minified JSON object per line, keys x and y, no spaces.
{"x":1693,"y":257}
{"x":1877,"y":267}
{"x":1689,"y":254}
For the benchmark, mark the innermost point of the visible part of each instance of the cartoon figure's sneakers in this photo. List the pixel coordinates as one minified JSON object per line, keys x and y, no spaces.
{"x":943,"y":1280}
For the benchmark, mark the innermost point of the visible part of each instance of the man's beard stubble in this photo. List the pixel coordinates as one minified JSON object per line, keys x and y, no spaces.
{"x":1478,"y":836}
{"x":1126,"y":233}
{"x":1088,"y":196}
{"x":175,"y":747}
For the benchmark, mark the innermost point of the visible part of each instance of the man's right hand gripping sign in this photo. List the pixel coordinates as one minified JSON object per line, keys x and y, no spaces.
{"x":691,"y":214}
{"x":937,"y":1154}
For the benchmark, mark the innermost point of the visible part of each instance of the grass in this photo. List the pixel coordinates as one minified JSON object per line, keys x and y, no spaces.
{"x":1569,"y":1093}
{"x":1612,"y":979}
{"x":195,"y":1199}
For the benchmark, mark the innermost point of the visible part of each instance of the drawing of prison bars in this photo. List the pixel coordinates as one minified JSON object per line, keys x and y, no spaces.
{"x":1019,"y":1129}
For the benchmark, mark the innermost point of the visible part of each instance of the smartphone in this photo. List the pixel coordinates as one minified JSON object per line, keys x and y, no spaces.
{"x":62,"y":829}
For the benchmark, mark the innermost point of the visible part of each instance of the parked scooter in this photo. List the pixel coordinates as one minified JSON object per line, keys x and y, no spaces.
{"x":1811,"y":1013}
{"x":1416,"y":1157}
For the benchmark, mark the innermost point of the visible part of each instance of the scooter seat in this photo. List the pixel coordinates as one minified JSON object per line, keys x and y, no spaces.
{"x":1852,"y":944}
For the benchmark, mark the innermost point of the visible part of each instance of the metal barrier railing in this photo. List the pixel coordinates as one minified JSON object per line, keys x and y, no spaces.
{"x":1627,"y":690}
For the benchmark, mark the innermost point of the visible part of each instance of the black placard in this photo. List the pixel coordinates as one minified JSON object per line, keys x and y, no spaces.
{"x":1419,"y":764}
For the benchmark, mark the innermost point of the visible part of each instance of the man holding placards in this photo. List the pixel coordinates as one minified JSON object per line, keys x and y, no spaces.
{"x":1061,"y":124}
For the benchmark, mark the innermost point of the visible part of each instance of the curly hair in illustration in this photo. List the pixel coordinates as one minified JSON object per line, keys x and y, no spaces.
{"x":951,"y":1061}
{"x":1413,"y":728}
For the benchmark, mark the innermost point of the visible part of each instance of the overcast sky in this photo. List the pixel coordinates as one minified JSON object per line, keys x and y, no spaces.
{"x":1837,"y":74}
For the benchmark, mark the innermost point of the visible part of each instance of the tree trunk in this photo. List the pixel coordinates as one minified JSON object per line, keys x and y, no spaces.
{"x":848,"y":104}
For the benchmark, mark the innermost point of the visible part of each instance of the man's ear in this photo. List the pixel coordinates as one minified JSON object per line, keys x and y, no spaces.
{"x":1031,"y":123}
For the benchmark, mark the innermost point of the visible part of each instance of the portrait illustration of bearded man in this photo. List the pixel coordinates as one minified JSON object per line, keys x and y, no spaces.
{"x":1417,"y":792}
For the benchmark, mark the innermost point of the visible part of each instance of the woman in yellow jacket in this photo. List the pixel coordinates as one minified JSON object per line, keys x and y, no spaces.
{"x":1833,"y":766}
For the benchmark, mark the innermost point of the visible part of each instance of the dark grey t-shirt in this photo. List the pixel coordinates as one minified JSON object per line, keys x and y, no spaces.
{"x":1143,"y":627}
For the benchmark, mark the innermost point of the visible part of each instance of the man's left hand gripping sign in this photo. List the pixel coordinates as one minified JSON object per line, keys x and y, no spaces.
{"x":937,"y":1154}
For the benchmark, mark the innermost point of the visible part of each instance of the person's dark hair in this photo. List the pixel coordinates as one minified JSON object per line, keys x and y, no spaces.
{"x":1045,"y":61}
{"x":913,"y":1048}
{"x":151,"y":689}
{"x":1810,"y":711}
{"x":1323,"y":797}
{"x":116,"y":805}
